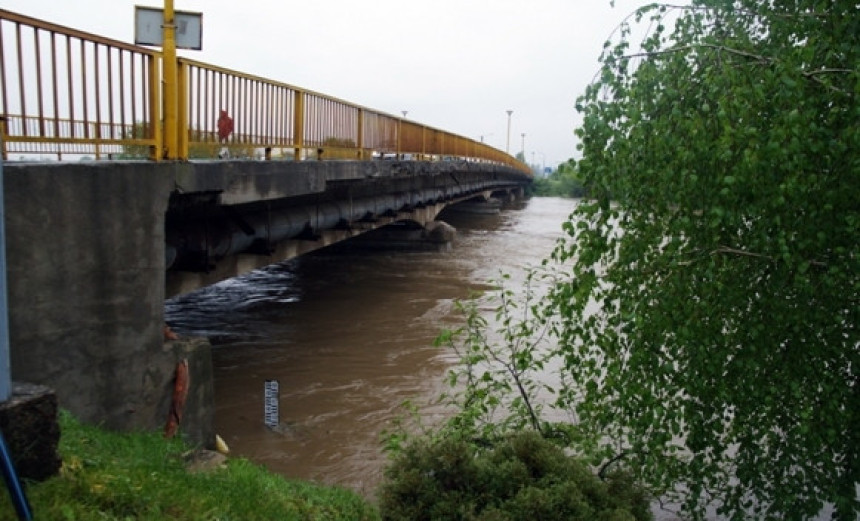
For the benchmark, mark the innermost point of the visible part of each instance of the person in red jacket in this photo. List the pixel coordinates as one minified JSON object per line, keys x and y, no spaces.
{"x":225,"y":128}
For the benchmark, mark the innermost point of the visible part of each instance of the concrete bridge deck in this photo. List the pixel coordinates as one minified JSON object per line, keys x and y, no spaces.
{"x":225,"y":219}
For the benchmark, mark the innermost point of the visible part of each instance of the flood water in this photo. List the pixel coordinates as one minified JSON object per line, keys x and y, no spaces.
{"x":349,"y":337}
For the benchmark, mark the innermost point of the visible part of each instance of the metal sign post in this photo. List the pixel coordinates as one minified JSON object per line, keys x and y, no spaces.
{"x":162,"y":27}
{"x":149,"y":28}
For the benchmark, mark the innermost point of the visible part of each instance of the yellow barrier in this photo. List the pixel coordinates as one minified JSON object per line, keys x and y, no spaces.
{"x":66,"y":92}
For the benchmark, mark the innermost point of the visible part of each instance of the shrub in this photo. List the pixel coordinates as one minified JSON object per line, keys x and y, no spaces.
{"x":521,"y":477}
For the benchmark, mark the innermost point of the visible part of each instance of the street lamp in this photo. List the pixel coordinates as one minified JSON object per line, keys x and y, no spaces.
{"x":524,"y":145}
{"x":508,"y":145}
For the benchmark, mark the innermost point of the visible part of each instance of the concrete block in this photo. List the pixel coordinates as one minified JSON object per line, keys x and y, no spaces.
{"x":197,"y":425}
{"x":29,"y":424}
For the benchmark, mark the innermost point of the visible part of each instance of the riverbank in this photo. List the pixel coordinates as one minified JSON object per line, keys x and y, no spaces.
{"x":115,"y":476}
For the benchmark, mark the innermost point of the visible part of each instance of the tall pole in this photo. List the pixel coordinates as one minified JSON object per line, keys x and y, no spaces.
{"x":524,"y":145}
{"x":508,"y":145}
{"x":7,"y":466}
{"x":170,"y":84}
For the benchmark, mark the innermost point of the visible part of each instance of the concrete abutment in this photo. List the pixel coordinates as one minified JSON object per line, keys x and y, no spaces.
{"x":87,"y":268}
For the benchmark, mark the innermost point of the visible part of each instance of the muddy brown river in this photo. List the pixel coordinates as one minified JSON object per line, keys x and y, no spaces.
{"x":349,"y":338}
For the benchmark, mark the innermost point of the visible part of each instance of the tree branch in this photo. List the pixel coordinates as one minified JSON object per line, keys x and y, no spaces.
{"x":812,"y":75}
{"x":684,"y":48}
{"x":734,"y":251}
{"x":824,"y":70}
{"x":605,"y":467}
{"x":743,"y":253}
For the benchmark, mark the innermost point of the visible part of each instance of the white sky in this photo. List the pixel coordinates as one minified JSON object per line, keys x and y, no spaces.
{"x":457,"y":65}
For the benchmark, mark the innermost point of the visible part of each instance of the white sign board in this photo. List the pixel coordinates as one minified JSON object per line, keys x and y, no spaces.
{"x":271,"y":404}
{"x":148,"y":28}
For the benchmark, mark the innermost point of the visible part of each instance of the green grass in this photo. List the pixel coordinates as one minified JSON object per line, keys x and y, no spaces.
{"x":142,"y":476}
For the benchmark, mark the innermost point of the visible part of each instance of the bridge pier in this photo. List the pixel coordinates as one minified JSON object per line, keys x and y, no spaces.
{"x":405,"y":236}
{"x":85,"y":256}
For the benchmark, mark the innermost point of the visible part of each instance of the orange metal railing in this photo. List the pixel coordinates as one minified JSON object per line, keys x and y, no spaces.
{"x":64,"y":92}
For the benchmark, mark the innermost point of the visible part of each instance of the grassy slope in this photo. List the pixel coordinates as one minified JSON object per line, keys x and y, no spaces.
{"x":111,"y":476}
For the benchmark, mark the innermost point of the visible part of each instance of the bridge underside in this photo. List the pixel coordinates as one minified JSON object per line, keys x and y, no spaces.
{"x":209,"y":241}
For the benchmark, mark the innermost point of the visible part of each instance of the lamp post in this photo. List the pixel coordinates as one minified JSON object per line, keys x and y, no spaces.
{"x":524,"y":145}
{"x":508,"y":145}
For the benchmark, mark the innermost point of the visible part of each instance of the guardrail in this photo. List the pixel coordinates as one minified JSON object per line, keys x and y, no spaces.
{"x":68,"y":93}
{"x":64,"y":91}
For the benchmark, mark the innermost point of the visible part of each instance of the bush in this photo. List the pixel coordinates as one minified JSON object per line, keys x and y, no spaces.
{"x":521,"y":477}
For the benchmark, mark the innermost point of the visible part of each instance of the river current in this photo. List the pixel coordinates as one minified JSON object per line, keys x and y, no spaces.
{"x":349,"y":338}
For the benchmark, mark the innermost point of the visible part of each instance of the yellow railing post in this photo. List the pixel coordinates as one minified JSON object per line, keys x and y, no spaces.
{"x":156,"y":152}
{"x":3,"y":137}
{"x":170,"y":83}
{"x":360,"y":134}
{"x":399,"y":135}
{"x":299,"y":125}
{"x":98,"y":135}
{"x":182,"y":126}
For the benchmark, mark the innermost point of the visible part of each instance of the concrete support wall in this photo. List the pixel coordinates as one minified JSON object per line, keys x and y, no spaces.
{"x":85,"y":255}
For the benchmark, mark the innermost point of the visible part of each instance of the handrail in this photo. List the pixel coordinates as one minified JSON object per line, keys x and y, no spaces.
{"x":65,"y":91}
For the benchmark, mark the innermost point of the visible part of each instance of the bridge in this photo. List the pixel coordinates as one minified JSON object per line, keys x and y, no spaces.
{"x":141,"y":175}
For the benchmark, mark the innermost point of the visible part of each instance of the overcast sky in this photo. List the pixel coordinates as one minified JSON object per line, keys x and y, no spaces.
{"x":457,"y":65}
